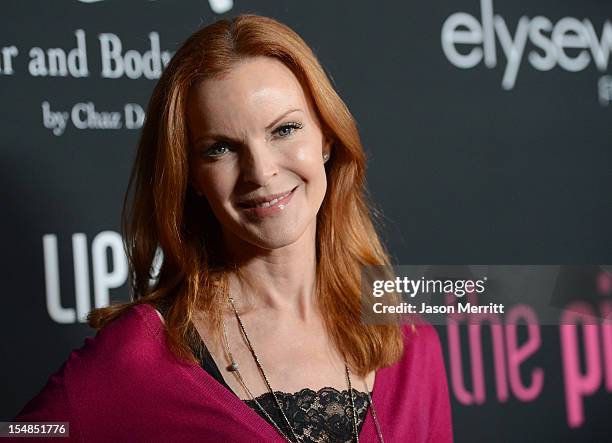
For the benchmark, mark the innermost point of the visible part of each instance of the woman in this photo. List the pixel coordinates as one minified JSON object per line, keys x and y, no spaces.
{"x":249,"y":178}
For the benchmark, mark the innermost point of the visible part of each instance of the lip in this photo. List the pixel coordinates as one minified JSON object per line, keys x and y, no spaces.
{"x":264,"y":211}
{"x":244,"y":203}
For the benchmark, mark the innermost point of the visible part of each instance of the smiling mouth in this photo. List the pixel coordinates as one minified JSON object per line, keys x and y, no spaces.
{"x":266,"y":203}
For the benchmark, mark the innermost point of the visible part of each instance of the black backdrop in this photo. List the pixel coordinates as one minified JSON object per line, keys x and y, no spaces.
{"x":487,"y":127}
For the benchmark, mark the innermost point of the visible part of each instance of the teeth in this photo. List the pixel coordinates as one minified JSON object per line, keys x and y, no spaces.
{"x":272,"y":202}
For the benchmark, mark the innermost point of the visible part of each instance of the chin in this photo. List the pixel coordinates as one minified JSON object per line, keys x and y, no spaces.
{"x":274,"y":240}
{"x":269,"y":237}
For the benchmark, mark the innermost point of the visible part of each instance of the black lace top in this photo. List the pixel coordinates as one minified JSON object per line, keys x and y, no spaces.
{"x":316,"y":416}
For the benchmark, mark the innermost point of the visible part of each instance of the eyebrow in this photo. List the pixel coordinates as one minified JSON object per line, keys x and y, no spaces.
{"x":224,"y":137}
{"x":280,"y":117}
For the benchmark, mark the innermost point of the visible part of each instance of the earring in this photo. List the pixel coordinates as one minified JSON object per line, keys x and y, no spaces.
{"x":325,"y":156}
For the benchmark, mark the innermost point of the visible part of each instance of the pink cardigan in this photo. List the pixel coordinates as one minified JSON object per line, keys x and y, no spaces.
{"x":125,"y":385}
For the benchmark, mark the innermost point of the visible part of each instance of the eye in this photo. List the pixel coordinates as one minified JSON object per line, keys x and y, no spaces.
{"x":216,"y":150}
{"x":287,"y":129}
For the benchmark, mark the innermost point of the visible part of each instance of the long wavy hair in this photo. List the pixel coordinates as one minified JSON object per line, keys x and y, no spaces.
{"x":162,"y":213}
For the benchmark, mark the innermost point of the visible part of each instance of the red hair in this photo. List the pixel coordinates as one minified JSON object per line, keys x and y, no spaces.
{"x":161,"y":211}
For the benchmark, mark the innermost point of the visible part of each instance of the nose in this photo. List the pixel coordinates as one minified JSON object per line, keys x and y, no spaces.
{"x":258,"y":164}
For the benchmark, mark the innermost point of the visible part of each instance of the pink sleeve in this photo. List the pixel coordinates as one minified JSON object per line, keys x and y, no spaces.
{"x":441,"y":429}
{"x":51,"y":404}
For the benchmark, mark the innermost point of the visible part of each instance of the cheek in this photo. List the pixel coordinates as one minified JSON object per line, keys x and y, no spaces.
{"x":307,"y":161}
{"x":308,"y":165}
{"x":216,"y":184}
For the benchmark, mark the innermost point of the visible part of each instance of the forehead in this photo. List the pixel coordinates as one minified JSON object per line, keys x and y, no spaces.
{"x":254,"y":88}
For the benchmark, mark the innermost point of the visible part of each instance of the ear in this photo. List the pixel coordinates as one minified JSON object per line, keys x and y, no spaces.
{"x":327,"y":147}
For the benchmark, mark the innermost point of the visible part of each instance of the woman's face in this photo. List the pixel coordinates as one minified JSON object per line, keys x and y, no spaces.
{"x":254,"y":135}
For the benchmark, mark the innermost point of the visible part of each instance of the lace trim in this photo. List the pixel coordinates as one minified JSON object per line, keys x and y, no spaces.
{"x":316,"y":416}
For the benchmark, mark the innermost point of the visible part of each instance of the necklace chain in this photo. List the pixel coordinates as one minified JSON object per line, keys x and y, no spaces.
{"x":234,"y":368}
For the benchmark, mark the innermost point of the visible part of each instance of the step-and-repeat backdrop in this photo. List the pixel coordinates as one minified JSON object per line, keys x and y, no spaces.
{"x":488,"y":127}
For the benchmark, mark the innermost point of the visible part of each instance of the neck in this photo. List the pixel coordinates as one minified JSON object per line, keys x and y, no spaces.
{"x":281,"y":279}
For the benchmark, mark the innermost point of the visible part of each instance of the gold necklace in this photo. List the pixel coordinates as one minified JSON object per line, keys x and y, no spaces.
{"x":234,"y":368}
